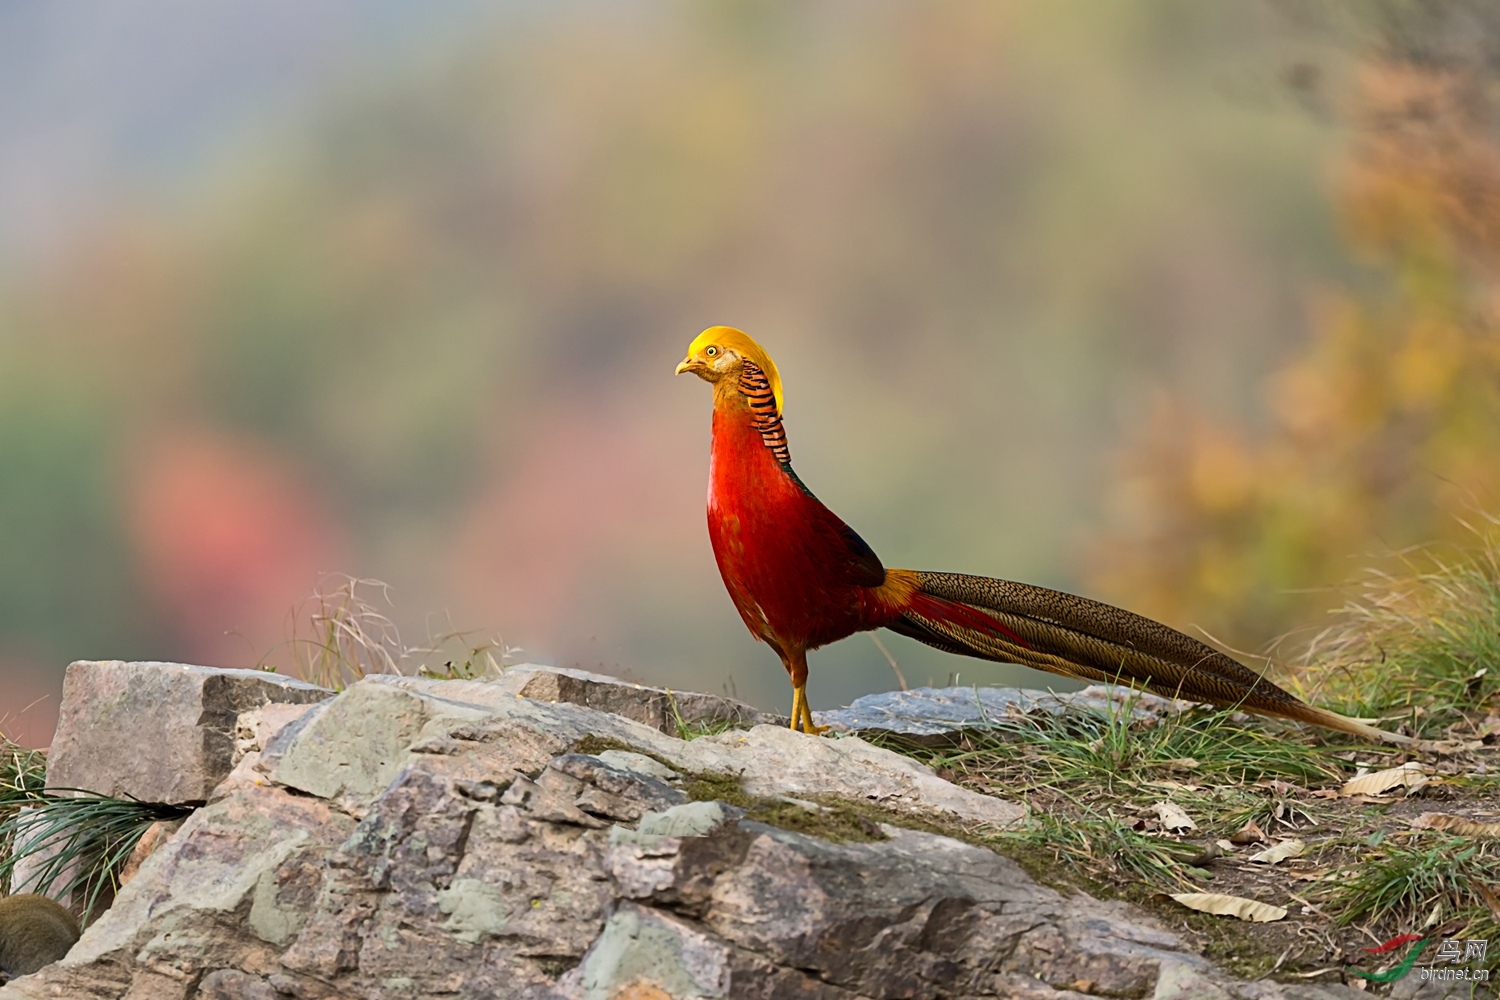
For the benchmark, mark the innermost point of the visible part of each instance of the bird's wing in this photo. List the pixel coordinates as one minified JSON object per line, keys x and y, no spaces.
{"x":851,"y":556}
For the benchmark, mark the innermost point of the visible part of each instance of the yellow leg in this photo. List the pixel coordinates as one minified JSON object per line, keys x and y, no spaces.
{"x":799,"y":700}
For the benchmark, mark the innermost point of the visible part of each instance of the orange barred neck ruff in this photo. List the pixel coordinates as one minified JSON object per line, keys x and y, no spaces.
{"x":765,"y":412}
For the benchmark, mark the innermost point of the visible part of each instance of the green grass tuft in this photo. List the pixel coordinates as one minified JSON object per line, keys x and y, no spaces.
{"x":1098,"y":845}
{"x":1103,"y":750}
{"x":1417,"y":884}
{"x":23,"y":773}
{"x":698,"y":728}
{"x":84,"y":838}
{"x":1089,"y":777}
{"x":1422,"y":646}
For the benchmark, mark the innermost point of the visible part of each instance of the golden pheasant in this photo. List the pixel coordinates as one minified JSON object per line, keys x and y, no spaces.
{"x":802,"y":578}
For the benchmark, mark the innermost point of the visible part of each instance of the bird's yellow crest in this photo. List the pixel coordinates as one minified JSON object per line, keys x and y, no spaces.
{"x":741,"y":343}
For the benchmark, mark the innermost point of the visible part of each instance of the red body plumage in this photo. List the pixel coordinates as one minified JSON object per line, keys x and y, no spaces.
{"x":800,"y":577}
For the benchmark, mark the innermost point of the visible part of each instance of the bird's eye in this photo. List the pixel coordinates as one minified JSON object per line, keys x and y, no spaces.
{"x":711,"y":351}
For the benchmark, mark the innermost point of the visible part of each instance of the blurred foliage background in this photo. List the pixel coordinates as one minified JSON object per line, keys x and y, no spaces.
{"x":1187,"y":306}
{"x":1381,"y":431}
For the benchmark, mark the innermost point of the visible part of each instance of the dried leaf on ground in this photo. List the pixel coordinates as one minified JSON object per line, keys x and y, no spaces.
{"x":1490,"y":899}
{"x":1280,"y":852}
{"x":1451,"y":747}
{"x":1279,"y":787}
{"x":1250,"y":833}
{"x":1460,"y":825}
{"x":1409,"y":776}
{"x":1230,"y":906}
{"x":1173,"y":818}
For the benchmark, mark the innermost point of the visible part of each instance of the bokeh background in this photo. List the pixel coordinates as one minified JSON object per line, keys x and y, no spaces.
{"x":1186,"y":306}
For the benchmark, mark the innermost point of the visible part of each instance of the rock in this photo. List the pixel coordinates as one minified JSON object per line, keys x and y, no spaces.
{"x":156,"y":834}
{"x":847,"y":768}
{"x":1415,"y":987}
{"x":659,"y":708}
{"x":254,"y":730}
{"x":357,"y":744}
{"x":933,"y":714}
{"x":916,"y":916}
{"x":691,"y":819}
{"x":415,"y":838}
{"x":33,"y":857}
{"x":647,"y":953}
{"x":158,"y":732}
{"x":232,"y":984}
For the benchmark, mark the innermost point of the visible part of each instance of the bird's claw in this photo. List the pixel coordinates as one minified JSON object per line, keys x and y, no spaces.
{"x":802,"y":714}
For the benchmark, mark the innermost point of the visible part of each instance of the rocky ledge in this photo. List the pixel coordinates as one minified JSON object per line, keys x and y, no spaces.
{"x":417,"y":838}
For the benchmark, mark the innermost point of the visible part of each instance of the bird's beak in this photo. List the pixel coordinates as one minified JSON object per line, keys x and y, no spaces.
{"x":689,"y":365}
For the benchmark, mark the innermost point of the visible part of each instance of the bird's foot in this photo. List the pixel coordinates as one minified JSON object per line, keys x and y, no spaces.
{"x":802,"y":714}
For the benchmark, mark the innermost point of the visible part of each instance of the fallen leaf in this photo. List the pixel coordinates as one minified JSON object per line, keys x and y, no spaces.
{"x":1250,"y":833}
{"x":1460,"y":825}
{"x":1280,"y":852}
{"x":1229,"y":906}
{"x":1450,"y":747}
{"x":1410,"y":775}
{"x":1490,"y":899}
{"x":1173,"y":818}
{"x":1279,"y":787}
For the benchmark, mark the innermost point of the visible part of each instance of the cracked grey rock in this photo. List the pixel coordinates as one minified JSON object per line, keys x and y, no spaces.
{"x":627,"y":760}
{"x":659,"y":708}
{"x":158,"y":732}
{"x":414,"y":839}
{"x":934,"y":715}
{"x":847,"y":768}
{"x":353,"y":747}
{"x":643,"y":949}
{"x":617,"y":793}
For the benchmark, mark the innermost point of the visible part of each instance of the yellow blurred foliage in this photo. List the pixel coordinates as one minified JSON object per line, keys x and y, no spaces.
{"x":1383,"y":432}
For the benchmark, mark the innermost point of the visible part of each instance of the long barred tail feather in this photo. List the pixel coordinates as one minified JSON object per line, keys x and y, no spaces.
{"x":1013,"y":622}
